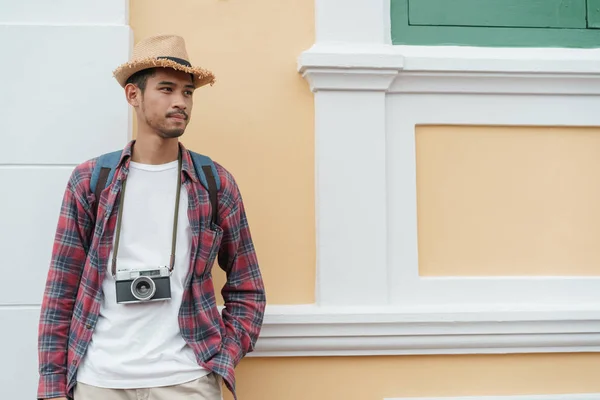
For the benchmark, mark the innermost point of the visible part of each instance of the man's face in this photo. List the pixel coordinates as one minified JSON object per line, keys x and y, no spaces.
{"x":166,"y":103}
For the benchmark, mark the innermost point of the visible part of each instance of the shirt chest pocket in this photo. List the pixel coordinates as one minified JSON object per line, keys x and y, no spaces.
{"x":209,"y":243}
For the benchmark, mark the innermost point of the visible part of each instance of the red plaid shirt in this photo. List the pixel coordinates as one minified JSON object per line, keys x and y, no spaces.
{"x":73,"y":293}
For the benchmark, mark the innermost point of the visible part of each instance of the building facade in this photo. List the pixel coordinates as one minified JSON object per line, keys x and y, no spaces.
{"x":421,"y":178}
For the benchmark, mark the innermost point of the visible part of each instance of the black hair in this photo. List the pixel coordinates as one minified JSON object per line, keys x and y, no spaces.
{"x":140,"y":78}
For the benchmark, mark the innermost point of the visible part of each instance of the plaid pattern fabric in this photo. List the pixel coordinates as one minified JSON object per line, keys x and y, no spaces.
{"x":82,"y":244}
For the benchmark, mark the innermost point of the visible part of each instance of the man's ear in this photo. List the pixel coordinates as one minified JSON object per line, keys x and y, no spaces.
{"x":133,"y":94}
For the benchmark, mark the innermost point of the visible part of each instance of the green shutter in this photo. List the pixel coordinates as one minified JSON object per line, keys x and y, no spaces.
{"x":501,"y":23}
{"x":593,"y":7}
{"x":499,"y":13}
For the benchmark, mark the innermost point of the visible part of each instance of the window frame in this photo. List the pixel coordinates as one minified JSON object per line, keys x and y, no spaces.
{"x":403,"y":33}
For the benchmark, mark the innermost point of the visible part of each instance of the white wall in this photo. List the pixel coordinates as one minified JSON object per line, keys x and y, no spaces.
{"x":59,"y":106}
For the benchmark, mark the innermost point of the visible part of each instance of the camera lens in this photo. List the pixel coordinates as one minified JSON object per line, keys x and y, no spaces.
{"x":143,"y":288}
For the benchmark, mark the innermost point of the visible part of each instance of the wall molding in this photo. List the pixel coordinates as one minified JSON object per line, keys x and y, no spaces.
{"x":317,"y":331}
{"x":586,"y":396}
{"x":311,"y":330}
{"x":448,"y":69}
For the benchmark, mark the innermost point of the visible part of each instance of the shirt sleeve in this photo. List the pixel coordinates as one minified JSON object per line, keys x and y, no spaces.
{"x":67,"y":261}
{"x":243,"y":293}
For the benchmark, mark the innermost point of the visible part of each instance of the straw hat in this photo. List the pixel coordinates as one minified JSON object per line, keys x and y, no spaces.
{"x":162,"y":51}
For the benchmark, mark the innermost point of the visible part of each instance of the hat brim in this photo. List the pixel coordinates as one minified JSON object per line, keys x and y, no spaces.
{"x":201,"y":76}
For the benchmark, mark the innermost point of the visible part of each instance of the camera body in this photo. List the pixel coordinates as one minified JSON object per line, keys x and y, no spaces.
{"x":143,"y":285}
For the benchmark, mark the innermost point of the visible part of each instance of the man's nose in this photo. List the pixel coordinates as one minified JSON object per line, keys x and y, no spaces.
{"x":179,"y":102}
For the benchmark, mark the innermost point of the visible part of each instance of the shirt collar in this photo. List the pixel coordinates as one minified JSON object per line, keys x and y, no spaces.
{"x":187,"y":165}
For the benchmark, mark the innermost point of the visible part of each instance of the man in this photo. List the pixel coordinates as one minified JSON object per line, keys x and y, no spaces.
{"x":104,"y":335}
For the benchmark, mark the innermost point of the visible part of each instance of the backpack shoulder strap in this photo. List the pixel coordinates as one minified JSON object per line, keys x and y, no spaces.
{"x":207,"y":173}
{"x":103,"y":172}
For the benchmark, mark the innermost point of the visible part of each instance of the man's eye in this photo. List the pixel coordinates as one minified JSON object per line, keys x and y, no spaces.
{"x":189,"y":92}
{"x":167,"y":89}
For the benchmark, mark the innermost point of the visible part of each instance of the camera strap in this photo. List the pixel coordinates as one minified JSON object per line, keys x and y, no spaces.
{"x":120,"y":217}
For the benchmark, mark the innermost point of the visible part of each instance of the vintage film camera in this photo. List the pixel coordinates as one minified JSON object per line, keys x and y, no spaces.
{"x":143,"y":285}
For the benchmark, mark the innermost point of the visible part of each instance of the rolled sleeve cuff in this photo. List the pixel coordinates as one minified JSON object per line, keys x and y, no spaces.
{"x":52,"y":386}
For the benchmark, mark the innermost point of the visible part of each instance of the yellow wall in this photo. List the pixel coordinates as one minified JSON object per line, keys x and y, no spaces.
{"x":508,"y":201}
{"x":376,"y":378}
{"x":258,"y":121}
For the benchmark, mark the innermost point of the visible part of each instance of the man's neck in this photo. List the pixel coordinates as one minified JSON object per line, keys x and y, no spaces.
{"x":154,"y":150}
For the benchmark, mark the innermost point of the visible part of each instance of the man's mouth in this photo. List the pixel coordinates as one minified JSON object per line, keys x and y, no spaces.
{"x":178,"y":116}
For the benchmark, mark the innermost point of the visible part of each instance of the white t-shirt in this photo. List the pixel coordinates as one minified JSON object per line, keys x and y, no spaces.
{"x":140,"y":345}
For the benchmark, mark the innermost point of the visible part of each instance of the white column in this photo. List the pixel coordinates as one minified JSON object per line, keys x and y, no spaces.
{"x":353,"y":21}
{"x":350,"y":151}
{"x":59,"y":107}
{"x":351,"y":186}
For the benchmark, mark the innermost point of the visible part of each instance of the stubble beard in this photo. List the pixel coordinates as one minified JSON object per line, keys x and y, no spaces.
{"x":162,"y":131}
{"x":169,"y":133}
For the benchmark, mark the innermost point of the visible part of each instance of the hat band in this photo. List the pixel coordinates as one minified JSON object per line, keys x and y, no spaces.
{"x":177,"y":60}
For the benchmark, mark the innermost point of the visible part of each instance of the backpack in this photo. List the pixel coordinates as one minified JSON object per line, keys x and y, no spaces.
{"x":205,"y":170}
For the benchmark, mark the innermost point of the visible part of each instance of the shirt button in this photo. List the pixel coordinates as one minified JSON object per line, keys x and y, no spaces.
{"x":88,"y":326}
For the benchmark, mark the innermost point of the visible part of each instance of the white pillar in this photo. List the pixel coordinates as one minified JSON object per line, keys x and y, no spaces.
{"x":353,"y":21}
{"x":351,"y":204}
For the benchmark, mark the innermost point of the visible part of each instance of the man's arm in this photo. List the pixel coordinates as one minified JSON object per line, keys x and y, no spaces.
{"x":68,"y":258}
{"x":244,"y":292}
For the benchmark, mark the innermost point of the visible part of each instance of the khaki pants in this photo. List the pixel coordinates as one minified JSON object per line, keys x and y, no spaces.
{"x":206,"y":388}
